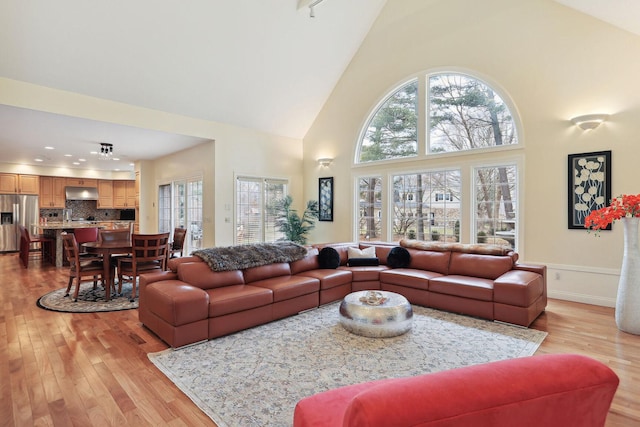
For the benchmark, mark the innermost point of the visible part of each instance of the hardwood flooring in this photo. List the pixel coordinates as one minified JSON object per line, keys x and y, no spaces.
{"x":64,"y":369}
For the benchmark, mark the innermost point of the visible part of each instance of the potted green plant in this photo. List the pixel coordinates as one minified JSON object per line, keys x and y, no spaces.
{"x":287,"y":220}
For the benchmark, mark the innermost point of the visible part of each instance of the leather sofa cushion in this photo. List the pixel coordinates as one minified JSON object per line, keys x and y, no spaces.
{"x":382,"y":251}
{"x":430,"y":260}
{"x":475,"y":265}
{"x":329,"y":278}
{"x":173,"y":263}
{"x":176,"y":302}
{"x":288,"y":287}
{"x":408,"y":278}
{"x":199,"y":274}
{"x":266,"y":272}
{"x":463,"y":286}
{"x":517,"y":287}
{"x":309,"y":262}
{"x":365,"y":274}
{"x":235,"y":298}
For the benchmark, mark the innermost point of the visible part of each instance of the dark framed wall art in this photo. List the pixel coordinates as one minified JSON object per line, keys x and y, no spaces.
{"x":589,"y":185}
{"x":325,"y":199}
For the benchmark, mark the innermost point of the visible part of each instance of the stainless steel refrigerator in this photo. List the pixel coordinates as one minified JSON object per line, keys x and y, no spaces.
{"x":16,"y":209}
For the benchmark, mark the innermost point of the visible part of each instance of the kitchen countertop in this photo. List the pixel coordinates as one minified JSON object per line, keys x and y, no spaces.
{"x":61,"y":225}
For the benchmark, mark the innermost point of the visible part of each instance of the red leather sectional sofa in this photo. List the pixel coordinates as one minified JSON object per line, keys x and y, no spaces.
{"x":191,"y":303}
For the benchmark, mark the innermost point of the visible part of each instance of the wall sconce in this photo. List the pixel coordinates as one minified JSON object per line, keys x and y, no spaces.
{"x":589,"y":121}
{"x":325,"y":162}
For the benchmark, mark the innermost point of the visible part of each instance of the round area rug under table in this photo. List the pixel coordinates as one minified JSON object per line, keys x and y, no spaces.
{"x":389,"y":317}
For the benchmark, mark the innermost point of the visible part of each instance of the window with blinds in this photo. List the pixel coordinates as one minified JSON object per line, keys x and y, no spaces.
{"x":255,"y":196}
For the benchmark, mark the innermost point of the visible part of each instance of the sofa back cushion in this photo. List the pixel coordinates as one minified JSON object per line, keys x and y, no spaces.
{"x":266,"y":272}
{"x":309,"y":262}
{"x":173,"y":263}
{"x":476,"y":265}
{"x":199,"y":274}
{"x":435,"y":261}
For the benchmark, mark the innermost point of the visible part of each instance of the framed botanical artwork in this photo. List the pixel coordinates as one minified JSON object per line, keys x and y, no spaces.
{"x":589,"y":185}
{"x":325,"y":199}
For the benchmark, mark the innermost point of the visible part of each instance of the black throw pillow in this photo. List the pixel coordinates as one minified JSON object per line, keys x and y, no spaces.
{"x":363,"y":262}
{"x":328,"y":258}
{"x":398,"y":257}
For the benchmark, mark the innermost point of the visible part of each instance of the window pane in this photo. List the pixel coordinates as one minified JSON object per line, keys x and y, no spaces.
{"x":426,"y":206}
{"x":392,"y":132}
{"x":466,"y":114}
{"x":495,"y":200}
{"x":164,"y":208}
{"x":254,"y":220}
{"x":194,"y":214}
{"x":370,"y":207}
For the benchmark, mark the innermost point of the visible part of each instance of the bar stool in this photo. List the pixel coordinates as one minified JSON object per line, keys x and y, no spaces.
{"x":26,"y":240}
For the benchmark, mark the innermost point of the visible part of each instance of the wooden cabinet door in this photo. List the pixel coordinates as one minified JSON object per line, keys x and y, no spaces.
{"x":59,"y":196}
{"x":124,"y":194}
{"x":105,"y":194}
{"x":8,"y":183}
{"x":82,"y":182}
{"x":52,"y":192}
{"x":28,"y":184}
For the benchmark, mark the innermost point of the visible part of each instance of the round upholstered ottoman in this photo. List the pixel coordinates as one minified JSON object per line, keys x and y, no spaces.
{"x":376,"y":314}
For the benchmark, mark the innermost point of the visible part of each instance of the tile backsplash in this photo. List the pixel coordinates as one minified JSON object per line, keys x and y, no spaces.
{"x":82,"y":209}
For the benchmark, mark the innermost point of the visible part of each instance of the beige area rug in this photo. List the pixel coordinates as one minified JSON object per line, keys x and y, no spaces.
{"x":255,"y":377}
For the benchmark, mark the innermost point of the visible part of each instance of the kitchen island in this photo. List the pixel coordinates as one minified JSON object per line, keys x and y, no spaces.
{"x":54,"y":229}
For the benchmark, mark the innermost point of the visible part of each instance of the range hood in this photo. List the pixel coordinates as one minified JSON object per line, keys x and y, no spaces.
{"x":81,"y":193}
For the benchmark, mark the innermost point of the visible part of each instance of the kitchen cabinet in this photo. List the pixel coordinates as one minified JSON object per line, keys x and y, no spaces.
{"x":105,"y":194}
{"x":82,"y":182}
{"x":124,"y":194}
{"x":52,"y":192}
{"x":11,"y":183}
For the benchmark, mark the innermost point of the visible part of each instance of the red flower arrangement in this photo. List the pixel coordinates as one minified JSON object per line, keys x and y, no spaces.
{"x":623,"y":206}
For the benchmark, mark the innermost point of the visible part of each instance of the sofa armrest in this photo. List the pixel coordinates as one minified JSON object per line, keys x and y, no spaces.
{"x":148,"y":278}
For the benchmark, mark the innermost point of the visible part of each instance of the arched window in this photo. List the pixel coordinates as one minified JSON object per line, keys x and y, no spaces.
{"x":392,"y":131}
{"x":466,"y":114}
{"x":425,"y":200}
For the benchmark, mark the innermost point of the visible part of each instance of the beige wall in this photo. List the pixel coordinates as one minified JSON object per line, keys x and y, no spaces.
{"x":554,"y":63}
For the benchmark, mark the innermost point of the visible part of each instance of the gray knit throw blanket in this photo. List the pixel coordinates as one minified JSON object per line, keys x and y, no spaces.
{"x":254,"y":255}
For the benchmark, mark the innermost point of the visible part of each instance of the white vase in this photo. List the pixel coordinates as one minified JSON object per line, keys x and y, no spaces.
{"x":628,"y":299}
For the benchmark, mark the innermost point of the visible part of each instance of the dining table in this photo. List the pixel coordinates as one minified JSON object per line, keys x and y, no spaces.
{"x":107,"y":249}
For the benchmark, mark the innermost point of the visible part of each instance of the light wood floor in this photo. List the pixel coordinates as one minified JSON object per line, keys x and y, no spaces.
{"x":61,"y":369}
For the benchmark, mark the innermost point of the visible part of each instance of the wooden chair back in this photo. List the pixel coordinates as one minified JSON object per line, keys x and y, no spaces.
{"x":147,"y":248}
{"x":177,"y":245}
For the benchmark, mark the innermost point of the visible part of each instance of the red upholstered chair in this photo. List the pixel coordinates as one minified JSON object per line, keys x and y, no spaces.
{"x":26,"y":242}
{"x":84,"y":235}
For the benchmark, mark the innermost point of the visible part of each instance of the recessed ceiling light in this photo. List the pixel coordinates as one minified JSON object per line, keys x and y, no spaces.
{"x":82,"y":160}
{"x":38,"y":160}
{"x":49,"y":148}
{"x":115,"y":158}
{"x":68,"y":155}
{"x":93,"y":152}
{"x":131,"y":164}
{"x":76,"y":163}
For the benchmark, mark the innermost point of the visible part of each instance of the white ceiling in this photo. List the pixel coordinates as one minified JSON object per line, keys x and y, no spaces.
{"x":261,"y":64}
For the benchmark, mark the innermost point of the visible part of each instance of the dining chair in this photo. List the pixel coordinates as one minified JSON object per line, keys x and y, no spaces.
{"x":80,"y":267}
{"x":176,"y":247}
{"x":84,"y":235}
{"x":26,"y":242}
{"x":148,"y":253}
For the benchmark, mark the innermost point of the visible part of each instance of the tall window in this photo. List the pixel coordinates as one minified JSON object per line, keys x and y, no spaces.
{"x":495,"y":205}
{"x":370,"y":208}
{"x":461,"y":114}
{"x":254,"y":200}
{"x":180,"y":206}
{"x":421,"y":210}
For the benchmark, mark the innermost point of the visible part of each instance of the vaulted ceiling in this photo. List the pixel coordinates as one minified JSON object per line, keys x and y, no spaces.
{"x":260,"y":64}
